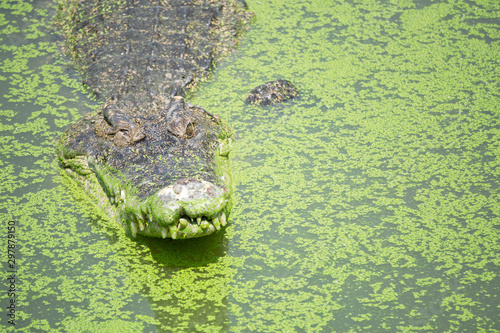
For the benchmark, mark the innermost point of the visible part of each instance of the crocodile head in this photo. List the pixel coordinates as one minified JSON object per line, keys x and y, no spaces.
{"x":162,"y":173}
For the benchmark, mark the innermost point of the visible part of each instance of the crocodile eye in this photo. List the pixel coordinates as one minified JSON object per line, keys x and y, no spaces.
{"x":182,"y":123}
{"x":182,"y":127}
{"x":190,"y":130}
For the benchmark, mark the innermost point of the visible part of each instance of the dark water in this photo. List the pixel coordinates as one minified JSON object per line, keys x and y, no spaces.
{"x":368,"y":204}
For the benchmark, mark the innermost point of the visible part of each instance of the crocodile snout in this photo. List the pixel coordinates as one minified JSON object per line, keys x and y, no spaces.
{"x":186,"y":209}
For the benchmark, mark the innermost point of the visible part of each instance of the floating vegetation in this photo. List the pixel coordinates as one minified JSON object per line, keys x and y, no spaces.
{"x":370,"y":202}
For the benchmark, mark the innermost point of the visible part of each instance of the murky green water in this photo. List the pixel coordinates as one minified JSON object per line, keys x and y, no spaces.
{"x":369,"y":204}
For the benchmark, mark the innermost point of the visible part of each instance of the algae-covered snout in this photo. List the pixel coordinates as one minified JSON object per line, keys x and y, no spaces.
{"x":187,"y":209}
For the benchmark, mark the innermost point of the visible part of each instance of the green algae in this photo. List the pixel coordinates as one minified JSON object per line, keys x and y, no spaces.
{"x":369,"y":203}
{"x":383,"y":173}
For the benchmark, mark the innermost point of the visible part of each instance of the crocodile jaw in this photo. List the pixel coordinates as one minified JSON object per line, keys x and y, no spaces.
{"x":189,"y":208}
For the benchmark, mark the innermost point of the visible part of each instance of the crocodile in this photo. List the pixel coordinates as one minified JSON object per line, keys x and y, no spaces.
{"x":272,"y":92}
{"x":152,"y":161}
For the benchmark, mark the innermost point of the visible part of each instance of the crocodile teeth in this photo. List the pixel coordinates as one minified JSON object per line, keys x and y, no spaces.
{"x":123,"y":195}
{"x":142,"y":226}
{"x":183,"y":223}
{"x":133,"y":229}
{"x":173,"y":231}
{"x":210,"y":229}
{"x":164,"y":232}
{"x":196,"y":230}
{"x":205,"y":224}
{"x":222,"y":219}
{"x":216,"y":223}
{"x":150,"y":217}
{"x":198,"y":219}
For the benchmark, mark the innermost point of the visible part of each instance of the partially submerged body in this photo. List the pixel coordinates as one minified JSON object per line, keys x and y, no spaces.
{"x":272,"y":92}
{"x":159,"y":161}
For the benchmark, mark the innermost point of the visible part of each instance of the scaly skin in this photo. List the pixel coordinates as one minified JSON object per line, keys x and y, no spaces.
{"x":161,"y":162}
{"x":272,"y":92}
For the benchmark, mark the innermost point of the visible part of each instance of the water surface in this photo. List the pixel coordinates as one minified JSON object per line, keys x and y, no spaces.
{"x":369,"y":203}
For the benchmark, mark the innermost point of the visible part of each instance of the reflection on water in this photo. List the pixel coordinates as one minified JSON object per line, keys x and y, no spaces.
{"x":368,"y":203}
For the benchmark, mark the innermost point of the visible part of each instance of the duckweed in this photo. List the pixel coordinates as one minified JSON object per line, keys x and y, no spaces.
{"x":369,"y":203}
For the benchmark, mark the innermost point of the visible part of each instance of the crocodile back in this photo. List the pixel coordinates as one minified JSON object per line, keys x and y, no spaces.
{"x":144,"y":52}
